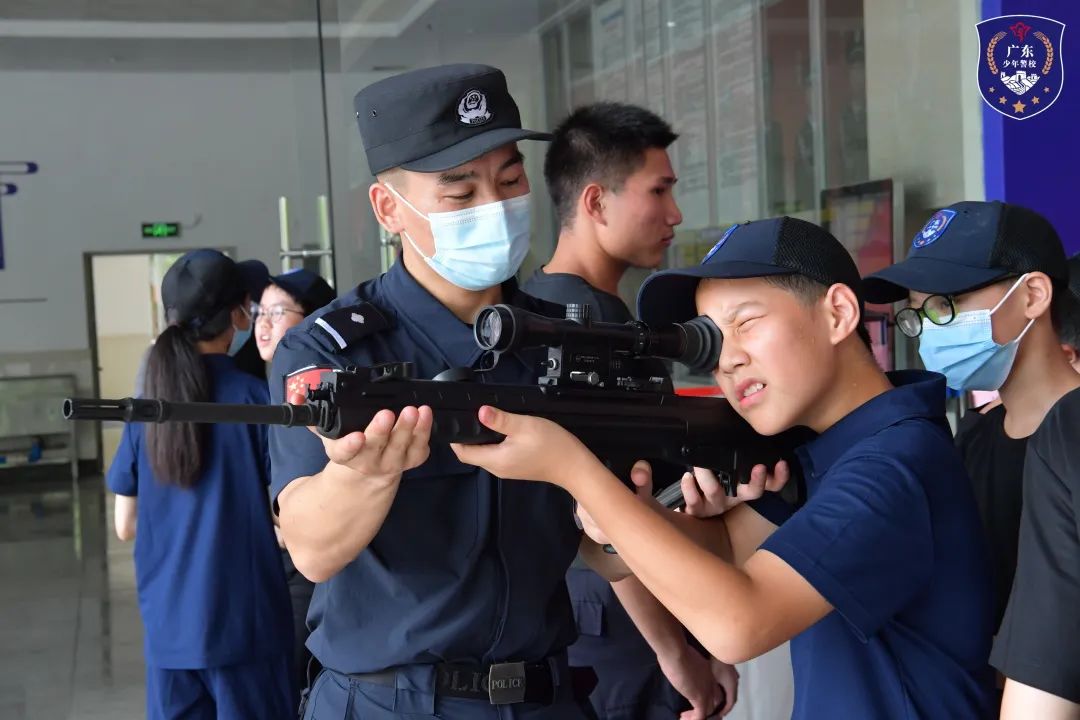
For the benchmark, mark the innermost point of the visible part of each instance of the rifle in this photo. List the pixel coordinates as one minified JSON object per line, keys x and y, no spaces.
{"x":595,"y":383}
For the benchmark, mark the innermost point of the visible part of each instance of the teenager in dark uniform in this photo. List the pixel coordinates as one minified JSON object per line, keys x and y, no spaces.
{"x":987,"y":284}
{"x":879,"y":579}
{"x":283,"y":304}
{"x":611,"y":181}
{"x":433,"y":576}
{"x":215,"y":609}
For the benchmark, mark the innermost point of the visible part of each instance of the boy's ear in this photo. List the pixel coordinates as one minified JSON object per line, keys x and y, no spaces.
{"x":1071,"y":355}
{"x":1040,"y":293}
{"x":592,"y":203}
{"x":842,"y":309}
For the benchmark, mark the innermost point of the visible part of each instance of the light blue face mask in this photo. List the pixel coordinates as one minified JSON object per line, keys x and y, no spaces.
{"x":964,"y":350}
{"x":239,"y":338}
{"x":480,"y":247}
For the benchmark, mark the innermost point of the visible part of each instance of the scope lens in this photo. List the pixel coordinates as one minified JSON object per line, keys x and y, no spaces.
{"x":488,"y":328}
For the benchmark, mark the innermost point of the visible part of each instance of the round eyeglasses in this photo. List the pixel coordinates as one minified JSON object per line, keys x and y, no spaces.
{"x":938,"y":309}
{"x":273,"y":314}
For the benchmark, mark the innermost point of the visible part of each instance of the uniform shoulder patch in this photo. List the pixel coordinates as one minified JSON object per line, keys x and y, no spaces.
{"x":343,"y":327}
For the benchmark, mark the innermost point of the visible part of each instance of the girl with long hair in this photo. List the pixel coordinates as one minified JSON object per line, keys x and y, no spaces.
{"x":211,"y":587}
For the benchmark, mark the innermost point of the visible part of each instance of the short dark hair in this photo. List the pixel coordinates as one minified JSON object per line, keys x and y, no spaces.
{"x":604,"y":142}
{"x":809,"y":291}
{"x":1065,"y":316}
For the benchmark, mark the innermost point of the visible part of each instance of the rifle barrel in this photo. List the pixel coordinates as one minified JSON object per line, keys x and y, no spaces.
{"x":157,"y":411}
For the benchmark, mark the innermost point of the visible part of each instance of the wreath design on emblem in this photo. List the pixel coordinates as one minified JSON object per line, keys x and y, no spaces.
{"x":472,"y":109}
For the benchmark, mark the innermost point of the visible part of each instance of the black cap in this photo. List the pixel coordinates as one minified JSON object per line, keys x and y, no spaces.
{"x":433,"y":119}
{"x":970,"y":245}
{"x":199,"y":286}
{"x":777,"y":246}
{"x":306,"y":288}
{"x":255,"y":277}
{"x":1074,"y":275}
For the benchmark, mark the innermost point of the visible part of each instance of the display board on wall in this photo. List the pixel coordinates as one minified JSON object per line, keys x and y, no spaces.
{"x":865,"y":219}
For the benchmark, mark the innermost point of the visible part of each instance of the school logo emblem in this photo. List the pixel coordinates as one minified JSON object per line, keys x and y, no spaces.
{"x":719,"y":243}
{"x":473,"y":109}
{"x":933,"y":228}
{"x":1020,"y":64}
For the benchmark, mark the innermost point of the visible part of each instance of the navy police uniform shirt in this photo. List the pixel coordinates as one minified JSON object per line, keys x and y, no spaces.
{"x":890,"y":536}
{"x":207,"y":567}
{"x":466,"y":567}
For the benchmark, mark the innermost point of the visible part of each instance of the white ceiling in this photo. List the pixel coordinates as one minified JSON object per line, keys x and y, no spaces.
{"x":163,"y":10}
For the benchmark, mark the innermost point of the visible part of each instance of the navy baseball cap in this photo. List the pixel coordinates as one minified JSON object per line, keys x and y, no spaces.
{"x":307,"y":288}
{"x":968,"y":246}
{"x":762,"y":248}
{"x":199,"y":286}
{"x":437,"y":118}
{"x":255,"y":277}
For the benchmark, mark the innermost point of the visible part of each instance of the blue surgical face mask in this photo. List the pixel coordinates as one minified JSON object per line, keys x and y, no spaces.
{"x":479,"y":247}
{"x":239,"y":338}
{"x":964,"y":350}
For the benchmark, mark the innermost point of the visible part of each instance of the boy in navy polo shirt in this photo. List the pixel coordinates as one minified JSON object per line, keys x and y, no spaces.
{"x":880,"y":578}
{"x":987,"y":285}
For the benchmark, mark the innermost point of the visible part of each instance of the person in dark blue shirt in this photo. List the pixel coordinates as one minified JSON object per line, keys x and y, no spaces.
{"x":611,"y":182}
{"x":880,"y":579}
{"x":218,"y":633}
{"x":987,"y":287}
{"x":439,"y":585}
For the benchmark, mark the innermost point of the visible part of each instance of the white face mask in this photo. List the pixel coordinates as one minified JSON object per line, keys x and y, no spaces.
{"x":479,"y":247}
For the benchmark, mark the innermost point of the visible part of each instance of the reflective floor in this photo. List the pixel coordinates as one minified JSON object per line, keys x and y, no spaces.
{"x":70,"y":635}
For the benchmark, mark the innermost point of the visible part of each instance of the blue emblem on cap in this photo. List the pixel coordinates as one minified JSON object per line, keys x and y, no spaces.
{"x":719,"y":243}
{"x":934,"y":227}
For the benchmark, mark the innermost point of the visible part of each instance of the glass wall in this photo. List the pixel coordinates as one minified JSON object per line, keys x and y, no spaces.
{"x":769,"y":98}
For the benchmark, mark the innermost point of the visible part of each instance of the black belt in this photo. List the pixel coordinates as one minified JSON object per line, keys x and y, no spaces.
{"x":499,"y":684}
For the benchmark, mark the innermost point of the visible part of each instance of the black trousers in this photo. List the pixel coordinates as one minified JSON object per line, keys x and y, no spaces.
{"x":300,"y":590}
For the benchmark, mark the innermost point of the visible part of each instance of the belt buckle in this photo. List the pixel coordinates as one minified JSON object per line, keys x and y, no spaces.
{"x":506,"y":683}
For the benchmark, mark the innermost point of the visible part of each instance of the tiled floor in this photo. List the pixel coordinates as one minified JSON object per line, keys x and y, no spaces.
{"x":70,"y":635}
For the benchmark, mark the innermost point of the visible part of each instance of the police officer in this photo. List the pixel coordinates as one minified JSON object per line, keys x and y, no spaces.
{"x":440,"y":587}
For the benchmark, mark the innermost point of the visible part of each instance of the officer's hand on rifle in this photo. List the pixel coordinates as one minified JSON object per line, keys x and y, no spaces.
{"x":386,"y":447}
{"x":705,"y":496}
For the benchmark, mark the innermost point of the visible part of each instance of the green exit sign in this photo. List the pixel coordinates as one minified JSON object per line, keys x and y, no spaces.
{"x":160,"y":230}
